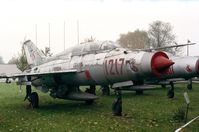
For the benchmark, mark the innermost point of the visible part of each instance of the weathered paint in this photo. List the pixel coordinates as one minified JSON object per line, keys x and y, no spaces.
{"x":103,"y":63}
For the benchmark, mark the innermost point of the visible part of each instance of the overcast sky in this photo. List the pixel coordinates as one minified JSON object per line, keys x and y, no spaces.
{"x":102,"y":19}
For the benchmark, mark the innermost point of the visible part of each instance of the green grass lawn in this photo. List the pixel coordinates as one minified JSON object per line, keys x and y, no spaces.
{"x":152,"y":111}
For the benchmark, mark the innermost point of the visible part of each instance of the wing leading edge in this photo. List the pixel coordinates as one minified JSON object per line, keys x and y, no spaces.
{"x":42,"y":73}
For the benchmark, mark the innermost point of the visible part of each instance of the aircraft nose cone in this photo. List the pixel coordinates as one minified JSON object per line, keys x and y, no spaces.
{"x":160,"y":63}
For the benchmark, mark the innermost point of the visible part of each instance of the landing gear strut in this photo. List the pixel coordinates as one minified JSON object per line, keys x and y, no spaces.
{"x":32,"y":97}
{"x":117,"y":104}
{"x":170,"y":93}
{"x":90,"y":90}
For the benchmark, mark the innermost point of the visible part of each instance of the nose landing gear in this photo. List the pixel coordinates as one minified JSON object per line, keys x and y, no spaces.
{"x":34,"y":100}
{"x":32,"y":97}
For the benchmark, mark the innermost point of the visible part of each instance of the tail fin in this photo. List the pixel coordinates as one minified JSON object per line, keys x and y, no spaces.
{"x":33,"y":54}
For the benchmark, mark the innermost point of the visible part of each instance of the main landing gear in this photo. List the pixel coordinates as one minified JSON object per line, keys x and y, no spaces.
{"x":117,"y":104}
{"x":32,"y":97}
{"x":90,"y":90}
{"x":170,"y":93}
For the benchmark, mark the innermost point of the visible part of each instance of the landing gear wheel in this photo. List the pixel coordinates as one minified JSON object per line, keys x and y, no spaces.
{"x":117,"y":108}
{"x":170,"y":94}
{"x":91,"y":90}
{"x":117,"y":104}
{"x":34,"y":100}
{"x":139,"y":92}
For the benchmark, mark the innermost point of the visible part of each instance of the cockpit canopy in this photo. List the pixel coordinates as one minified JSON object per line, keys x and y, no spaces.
{"x":94,"y":47}
{"x":86,"y":48}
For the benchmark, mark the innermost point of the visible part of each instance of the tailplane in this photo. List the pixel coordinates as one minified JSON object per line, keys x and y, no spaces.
{"x":33,"y":54}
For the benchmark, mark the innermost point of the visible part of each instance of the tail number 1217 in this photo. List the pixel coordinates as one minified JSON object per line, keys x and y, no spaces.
{"x":114,"y":66}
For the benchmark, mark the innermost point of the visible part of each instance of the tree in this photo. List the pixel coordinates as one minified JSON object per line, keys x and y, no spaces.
{"x":20,"y":61}
{"x":1,"y":60}
{"x":134,"y":40}
{"x":160,"y":35}
{"x":13,"y":60}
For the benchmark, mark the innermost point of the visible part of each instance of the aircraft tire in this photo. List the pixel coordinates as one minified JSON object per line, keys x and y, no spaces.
{"x":34,"y":100}
{"x":117,"y":108}
{"x":170,"y":94}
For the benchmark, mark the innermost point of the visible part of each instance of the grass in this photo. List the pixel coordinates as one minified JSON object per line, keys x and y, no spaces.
{"x":152,"y":111}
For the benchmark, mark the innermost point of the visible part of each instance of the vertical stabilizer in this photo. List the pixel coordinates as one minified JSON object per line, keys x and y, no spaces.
{"x":33,"y":54}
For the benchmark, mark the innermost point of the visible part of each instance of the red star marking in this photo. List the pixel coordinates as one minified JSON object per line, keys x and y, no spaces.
{"x":87,"y":74}
{"x":188,"y":68}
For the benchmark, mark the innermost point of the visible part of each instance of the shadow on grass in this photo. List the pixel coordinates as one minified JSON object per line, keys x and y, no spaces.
{"x":132,"y":94}
{"x":67,"y":106}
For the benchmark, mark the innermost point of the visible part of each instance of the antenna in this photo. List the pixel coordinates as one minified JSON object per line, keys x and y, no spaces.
{"x":36,"y":34}
{"x":78,"y":32}
{"x":187,"y":50}
{"x":188,"y":41}
{"x":64,"y":35}
{"x":49,"y":34}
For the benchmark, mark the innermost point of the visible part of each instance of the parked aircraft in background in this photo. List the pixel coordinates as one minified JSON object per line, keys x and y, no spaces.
{"x":8,"y":69}
{"x":184,"y":69}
